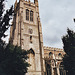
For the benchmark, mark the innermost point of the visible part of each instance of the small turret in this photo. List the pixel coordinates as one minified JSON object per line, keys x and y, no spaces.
{"x":28,"y":0}
{"x":36,"y":2}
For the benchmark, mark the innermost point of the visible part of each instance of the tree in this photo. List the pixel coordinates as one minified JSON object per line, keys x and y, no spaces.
{"x":12,"y":58}
{"x":4,"y":21}
{"x":4,"y":24}
{"x":14,"y":61}
{"x":69,"y":48}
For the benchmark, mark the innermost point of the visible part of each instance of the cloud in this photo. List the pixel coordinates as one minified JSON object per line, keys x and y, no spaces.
{"x":56,"y":16}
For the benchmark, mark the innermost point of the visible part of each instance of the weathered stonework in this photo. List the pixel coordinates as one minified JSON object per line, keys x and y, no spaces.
{"x":53,"y":57}
{"x":26,"y":31}
{"x":21,"y":36}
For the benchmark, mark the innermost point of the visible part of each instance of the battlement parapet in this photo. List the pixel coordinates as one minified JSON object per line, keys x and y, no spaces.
{"x":52,"y":48}
{"x":29,"y":2}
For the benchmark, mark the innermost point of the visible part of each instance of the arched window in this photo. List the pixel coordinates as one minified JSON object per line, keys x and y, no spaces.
{"x":50,"y":54}
{"x":32,"y":59}
{"x":30,"y":39}
{"x":31,"y":51}
{"x":27,"y":14}
{"x":31,"y":15}
{"x":60,"y":55}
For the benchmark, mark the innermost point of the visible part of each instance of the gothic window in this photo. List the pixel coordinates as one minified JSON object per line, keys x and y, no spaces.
{"x":60,"y":55}
{"x":27,"y":14}
{"x":32,"y":59}
{"x":30,"y":39}
{"x":50,"y":54}
{"x":31,"y":15}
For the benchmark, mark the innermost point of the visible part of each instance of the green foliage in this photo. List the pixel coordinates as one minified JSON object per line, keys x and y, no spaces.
{"x":69,"y":48}
{"x":4,"y":19}
{"x":13,"y":61}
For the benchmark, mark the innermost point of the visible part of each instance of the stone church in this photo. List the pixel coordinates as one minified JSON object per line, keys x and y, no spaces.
{"x":26,"y":31}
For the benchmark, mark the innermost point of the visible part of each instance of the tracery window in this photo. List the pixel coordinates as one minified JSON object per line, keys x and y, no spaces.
{"x":31,"y":15}
{"x":27,"y":14}
{"x":32,"y":59}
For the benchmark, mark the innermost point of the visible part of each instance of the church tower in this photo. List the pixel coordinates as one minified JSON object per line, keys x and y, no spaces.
{"x":26,"y":32}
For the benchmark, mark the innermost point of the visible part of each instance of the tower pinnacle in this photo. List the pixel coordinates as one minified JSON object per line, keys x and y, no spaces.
{"x":36,"y":2}
{"x":29,"y":0}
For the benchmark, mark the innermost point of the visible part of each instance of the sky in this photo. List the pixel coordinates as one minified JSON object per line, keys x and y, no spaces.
{"x":56,"y":16}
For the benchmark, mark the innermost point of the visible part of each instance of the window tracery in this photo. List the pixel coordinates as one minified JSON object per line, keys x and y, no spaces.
{"x":27,"y":14}
{"x":32,"y":59}
{"x":31,"y":15}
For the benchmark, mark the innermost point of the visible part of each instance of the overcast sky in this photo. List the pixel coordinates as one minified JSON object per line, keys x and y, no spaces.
{"x":56,"y":16}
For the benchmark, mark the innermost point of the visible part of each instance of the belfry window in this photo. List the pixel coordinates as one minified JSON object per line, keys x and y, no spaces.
{"x":30,"y":39}
{"x":27,"y":14}
{"x":31,"y":15}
